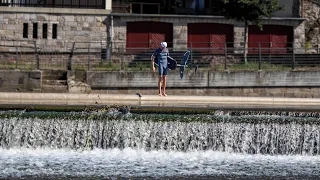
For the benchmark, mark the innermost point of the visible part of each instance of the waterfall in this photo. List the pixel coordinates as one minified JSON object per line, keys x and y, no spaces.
{"x":230,"y":132}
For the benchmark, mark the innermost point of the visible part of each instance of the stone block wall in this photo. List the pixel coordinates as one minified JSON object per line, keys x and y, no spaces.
{"x":70,"y":28}
{"x":28,"y":61}
{"x":311,"y":11}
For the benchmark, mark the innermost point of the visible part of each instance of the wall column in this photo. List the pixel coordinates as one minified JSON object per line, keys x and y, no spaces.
{"x":108,"y":4}
{"x":299,"y":38}
{"x":119,"y":34}
{"x":238,"y":38}
{"x":180,"y":36}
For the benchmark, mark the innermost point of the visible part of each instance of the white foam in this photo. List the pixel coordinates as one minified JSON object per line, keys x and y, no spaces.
{"x":130,"y":162}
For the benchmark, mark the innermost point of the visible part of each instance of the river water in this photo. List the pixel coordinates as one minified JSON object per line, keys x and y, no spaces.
{"x":110,"y":145}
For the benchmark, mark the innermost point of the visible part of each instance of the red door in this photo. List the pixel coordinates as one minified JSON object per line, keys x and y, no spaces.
{"x":272,"y":39}
{"x":255,"y":37}
{"x":221,"y":35}
{"x":142,"y":36}
{"x":209,"y":37}
{"x":137,"y":35}
{"x":160,"y":32}
{"x":198,"y":37}
{"x":280,"y":39}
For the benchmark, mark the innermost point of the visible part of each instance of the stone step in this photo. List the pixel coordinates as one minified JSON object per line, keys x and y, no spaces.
{"x":55,"y":72}
{"x":54,"y":75}
{"x":54,"y":89}
{"x":54,"y":82}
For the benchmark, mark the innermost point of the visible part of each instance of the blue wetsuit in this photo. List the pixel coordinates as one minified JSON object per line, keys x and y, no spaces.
{"x":161,"y":56}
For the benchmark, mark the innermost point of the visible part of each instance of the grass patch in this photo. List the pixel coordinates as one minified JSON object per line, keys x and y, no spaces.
{"x":250,"y":66}
{"x":146,"y":66}
{"x":22,"y":66}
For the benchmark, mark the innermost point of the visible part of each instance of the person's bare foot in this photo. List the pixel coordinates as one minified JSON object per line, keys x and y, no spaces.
{"x":160,"y":94}
{"x":164,"y":94}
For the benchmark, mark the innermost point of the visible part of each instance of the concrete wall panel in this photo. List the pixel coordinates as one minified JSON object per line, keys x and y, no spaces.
{"x":264,"y":79}
{"x":20,"y":81}
{"x":145,"y":79}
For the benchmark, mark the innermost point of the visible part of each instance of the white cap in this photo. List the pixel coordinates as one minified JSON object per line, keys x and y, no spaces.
{"x":163,"y":44}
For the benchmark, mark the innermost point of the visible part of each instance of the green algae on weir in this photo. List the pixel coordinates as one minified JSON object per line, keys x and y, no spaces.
{"x":133,"y":109}
{"x":217,"y":117}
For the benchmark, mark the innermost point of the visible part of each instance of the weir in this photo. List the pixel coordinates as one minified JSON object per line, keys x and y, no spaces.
{"x":232,"y":132}
{"x":115,"y":144}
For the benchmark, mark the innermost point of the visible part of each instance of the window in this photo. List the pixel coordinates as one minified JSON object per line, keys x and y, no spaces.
{"x":45,"y":31}
{"x":35,"y":31}
{"x":54,"y":31}
{"x":25,"y":30}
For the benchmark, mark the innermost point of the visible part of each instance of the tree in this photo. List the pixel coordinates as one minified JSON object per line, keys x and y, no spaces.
{"x":249,"y":11}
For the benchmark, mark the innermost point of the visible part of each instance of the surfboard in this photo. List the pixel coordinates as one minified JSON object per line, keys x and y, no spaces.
{"x":183,"y":63}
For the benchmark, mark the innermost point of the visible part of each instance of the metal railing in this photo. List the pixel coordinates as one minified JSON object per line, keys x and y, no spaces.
{"x":84,"y":4}
{"x":121,"y":56}
{"x":136,"y":7}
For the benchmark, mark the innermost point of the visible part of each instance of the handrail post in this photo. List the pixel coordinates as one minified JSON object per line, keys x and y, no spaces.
{"x":122,"y":59}
{"x":17,"y":56}
{"x":69,"y":64}
{"x":225,"y":56}
{"x":293,"y":57}
{"x":89,"y":56}
{"x":259,"y":57}
{"x":191,"y":55}
{"x":37,"y":55}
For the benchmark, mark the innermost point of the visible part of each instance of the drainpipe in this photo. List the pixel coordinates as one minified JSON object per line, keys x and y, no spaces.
{"x":111,"y":31}
{"x":109,"y":36}
{"x":302,"y":8}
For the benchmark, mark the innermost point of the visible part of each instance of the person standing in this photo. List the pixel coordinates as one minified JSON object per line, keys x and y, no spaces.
{"x":161,"y":54}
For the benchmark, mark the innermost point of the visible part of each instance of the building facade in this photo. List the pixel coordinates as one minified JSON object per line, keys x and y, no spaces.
{"x":198,"y":26}
{"x":142,"y":24}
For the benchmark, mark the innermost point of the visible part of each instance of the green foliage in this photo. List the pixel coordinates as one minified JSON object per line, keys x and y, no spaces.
{"x":308,"y":45}
{"x":250,"y":10}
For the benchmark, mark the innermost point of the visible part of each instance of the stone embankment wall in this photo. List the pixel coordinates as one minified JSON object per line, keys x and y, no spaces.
{"x":202,"y":83}
{"x":267,"y":84}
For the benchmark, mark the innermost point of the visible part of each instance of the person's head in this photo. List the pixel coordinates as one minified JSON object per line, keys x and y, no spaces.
{"x":163,"y":45}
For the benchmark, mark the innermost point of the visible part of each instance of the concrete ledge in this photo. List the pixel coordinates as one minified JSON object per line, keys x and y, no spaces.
{"x":157,"y":101}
